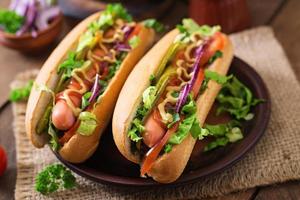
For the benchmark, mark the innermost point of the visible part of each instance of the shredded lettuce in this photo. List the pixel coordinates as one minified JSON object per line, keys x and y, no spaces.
{"x":106,"y":19}
{"x":189,"y":124}
{"x":211,"y":75}
{"x":189,"y":27}
{"x":149,"y":96}
{"x":85,"y":100}
{"x":134,"y":42}
{"x":54,"y":143}
{"x":236,"y":99}
{"x":135,"y":132}
{"x":69,"y":65}
{"x":88,"y":123}
{"x":154,"y":24}
{"x":224,"y":133}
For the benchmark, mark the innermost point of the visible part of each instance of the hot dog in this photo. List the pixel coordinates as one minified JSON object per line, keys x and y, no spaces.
{"x":77,"y":88}
{"x":156,"y":121}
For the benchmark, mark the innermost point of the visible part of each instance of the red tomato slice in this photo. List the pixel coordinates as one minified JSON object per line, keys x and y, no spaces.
{"x":3,"y":161}
{"x":153,"y":153}
{"x":154,"y":131}
{"x":198,"y":82}
{"x":68,"y":134}
{"x":135,"y":31}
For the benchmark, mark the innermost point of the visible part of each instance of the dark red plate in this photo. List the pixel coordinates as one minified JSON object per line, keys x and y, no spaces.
{"x":108,"y":166}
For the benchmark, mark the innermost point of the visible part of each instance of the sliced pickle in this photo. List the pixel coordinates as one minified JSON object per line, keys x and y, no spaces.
{"x":169,"y":55}
{"x":161,"y":86}
{"x":44,"y":121}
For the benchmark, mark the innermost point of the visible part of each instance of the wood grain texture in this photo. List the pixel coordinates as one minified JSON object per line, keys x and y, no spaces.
{"x":244,"y":195}
{"x":287,"y":30}
{"x":263,"y":11}
{"x":286,"y":191}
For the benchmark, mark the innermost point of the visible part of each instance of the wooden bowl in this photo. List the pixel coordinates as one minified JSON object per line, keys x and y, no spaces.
{"x":28,"y":43}
{"x":108,"y":166}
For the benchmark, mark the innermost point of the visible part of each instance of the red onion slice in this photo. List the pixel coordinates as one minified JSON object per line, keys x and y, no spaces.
{"x":188,"y":87}
{"x":95,"y":89}
{"x":45,"y":16}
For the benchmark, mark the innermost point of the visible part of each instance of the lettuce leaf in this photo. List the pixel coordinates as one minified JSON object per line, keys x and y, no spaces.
{"x":88,"y":123}
{"x":189,"y":27}
{"x":154,"y":24}
{"x":211,"y":75}
{"x":236,"y":99}
{"x":224,"y":133}
{"x":69,"y":65}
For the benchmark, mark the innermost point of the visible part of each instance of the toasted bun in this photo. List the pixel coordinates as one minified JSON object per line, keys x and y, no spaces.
{"x":79,"y":147}
{"x":168,"y":167}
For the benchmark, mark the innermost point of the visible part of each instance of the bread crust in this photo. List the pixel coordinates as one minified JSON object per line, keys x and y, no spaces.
{"x":168,"y":167}
{"x":79,"y":147}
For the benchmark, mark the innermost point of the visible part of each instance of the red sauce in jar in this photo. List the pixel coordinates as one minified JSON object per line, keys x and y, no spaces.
{"x":232,"y":15}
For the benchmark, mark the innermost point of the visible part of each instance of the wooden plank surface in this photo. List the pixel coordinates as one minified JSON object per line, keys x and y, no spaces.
{"x":286,"y":28}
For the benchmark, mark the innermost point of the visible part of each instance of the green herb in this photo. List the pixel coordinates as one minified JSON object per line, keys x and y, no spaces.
{"x":153,"y":23}
{"x":69,"y":65}
{"x":134,"y":42}
{"x":236,"y":99}
{"x":88,"y":123}
{"x":217,"y":55}
{"x":20,"y":94}
{"x":53,"y":178}
{"x":10,"y":21}
{"x":211,"y":75}
{"x":85,"y":100}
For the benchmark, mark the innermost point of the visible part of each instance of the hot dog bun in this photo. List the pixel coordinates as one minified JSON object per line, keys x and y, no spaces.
{"x":168,"y":167}
{"x":79,"y":147}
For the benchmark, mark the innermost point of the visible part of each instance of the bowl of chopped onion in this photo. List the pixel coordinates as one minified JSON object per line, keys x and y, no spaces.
{"x":30,"y":25}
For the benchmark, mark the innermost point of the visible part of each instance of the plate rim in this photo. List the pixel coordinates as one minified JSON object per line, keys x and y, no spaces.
{"x":111,"y":179}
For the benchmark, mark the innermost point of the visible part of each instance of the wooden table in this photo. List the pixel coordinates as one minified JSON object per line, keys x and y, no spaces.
{"x":282,"y":15}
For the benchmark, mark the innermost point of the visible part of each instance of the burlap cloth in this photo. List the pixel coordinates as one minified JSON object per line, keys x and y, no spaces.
{"x":275,"y":158}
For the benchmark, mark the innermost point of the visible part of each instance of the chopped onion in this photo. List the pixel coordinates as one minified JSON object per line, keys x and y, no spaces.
{"x":45,"y":16}
{"x":188,"y":87}
{"x":37,"y":13}
{"x":31,"y":13}
{"x":95,"y":89}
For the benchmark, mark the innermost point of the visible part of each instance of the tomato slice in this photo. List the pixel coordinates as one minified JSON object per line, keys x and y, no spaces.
{"x":3,"y":161}
{"x":68,"y":134}
{"x":154,"y":130}
{"x":153,"y":153}
{"x":198,"y":82}
{"x":135,"y":31}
